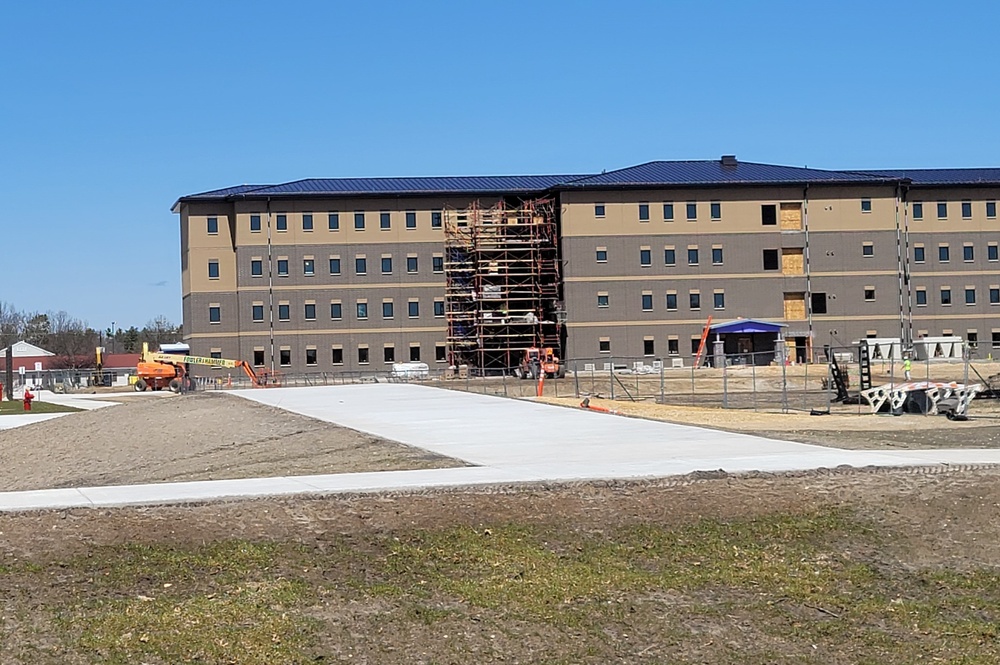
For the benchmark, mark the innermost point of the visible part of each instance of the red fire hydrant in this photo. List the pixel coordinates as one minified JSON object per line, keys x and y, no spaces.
{"x":28,"y":396}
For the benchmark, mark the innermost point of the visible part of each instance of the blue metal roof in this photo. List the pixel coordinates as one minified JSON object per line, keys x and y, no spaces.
{"x":747,"y":326}
{"x":426,"y":185}
{"x":714,"y":172}
{"x":949,"y":177}
{"x":224,"y":192}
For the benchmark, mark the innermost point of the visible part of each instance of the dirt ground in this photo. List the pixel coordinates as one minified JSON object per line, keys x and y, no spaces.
{"x":845,"y":427}
{"x":200,"y":436}
{"x":925,"y":536}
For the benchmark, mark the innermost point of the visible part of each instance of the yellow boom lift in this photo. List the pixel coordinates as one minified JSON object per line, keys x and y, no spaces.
{"x":158,"y":370}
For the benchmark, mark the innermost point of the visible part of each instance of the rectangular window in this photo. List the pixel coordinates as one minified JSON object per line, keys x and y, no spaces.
{"x":970,"y":296}
{"x":307,"y":225}
{"x":213,"y":270}
{"x":671,"y":302}
{"x":285,"y":357}
{"x":692,"y":256}
{"x":435,"y":219}
{"x":256,"y":268}
{"x":361,"y":265}
{"x":966,"y":209}
{"x":994,"y":295}
{"x":602,"y":299}
{"x":362,"y":355}
{"x":309,"y":312}
{"x":717,"y":256}
{"x":336,"y":311}
{"x":648,"y":346}
{"x":440,"y":353}
{"x":413,"y":309}
{"x":334,"y":265}
{"x":217,"y":354}
{"x":918,"y":210}
{"x":284,"y":312}
{"x":598,"y":210}
{"x":715,"y":210}
{"x":213,"y":226}
{"x":437,"y":264}
{"x":991,"y":209}
{"x":359,"y":220}
{"x":389,"y":353}
{"x":384,"y":222}
{"x":258,"y":313}
{"x":411,"y":264}
{"x":214,"y":314}
{"x":333,"y":223}
{"x":387,"y":309}
{"x":255,"y":223}
{"x":692,"y":211}
{"x":866,"y":205}
{"x":308,"y":267}
{"x":719,"y":300}
{"x":668,"y":212}
{"x":386,"y":265}
{"x":944,"y":254}
{"x":645,"y":258}
{"x":438,"y":307}
{"x":694,"y":300}
{"x":673,"y":347}
{"x":647,"y":302}
{"x":945,"y":296}
{"x":604,"y":345}
{"x":869,"y":293}
{"x":643,"y":212}
{"x":258,"y":357}
{"x":867,"y":250}
{"x":310,"y":356}
{"x":918,"y":254}
{"x":281,"y":222}
{"x":602,"y":255}
{"x":411,"y":219}
{"x":362,"y":308}
{"x":414,"y":353}
{"x":282,"y":267}
{"x":942,"y":210}
{"x":669,"y":256}
{"x":921,"y":297}
{"x":769,"y":215}
{"x":968,"y":253}
{"x":972,"y":337}
{"x":818,"y":302}
{"x":991,"y":252}
{"x":995,"y":339}
{"x":770,"y":259}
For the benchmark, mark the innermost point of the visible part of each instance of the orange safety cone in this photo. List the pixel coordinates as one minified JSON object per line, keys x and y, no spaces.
{"x":541,"y":384}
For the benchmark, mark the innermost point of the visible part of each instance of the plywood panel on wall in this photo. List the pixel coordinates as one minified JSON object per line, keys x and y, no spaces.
{"x":791,"y":216}
{"x":795,"y":307}
{"x":792,"y":261}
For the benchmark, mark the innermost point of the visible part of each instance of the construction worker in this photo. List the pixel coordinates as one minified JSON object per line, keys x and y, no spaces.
{"x":907,"y":366}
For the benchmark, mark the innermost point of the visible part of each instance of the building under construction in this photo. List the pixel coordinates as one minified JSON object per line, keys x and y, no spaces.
{"x":503,"y":286}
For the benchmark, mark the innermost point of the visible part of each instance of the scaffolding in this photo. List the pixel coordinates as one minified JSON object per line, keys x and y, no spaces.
{"x":503,"y":290}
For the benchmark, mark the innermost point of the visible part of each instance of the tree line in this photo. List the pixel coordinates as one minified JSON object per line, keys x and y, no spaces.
{"x":73,"y":341}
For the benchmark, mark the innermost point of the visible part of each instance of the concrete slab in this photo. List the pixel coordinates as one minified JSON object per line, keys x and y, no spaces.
{"x":10,"y":422}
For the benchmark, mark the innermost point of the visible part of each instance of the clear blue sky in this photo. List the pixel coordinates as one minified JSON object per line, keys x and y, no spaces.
{"x":109,"y":111}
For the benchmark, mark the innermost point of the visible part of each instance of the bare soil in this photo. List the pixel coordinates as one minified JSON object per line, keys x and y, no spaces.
{"x":199,"y":436}
{"x":845,"y":427}
{"x":904,"y":571}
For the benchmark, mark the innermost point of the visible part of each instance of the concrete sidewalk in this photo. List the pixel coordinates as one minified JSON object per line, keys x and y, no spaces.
{"x":509,"y":441}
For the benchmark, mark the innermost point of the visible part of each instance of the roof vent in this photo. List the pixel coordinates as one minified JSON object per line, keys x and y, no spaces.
{"x":729,"y":161}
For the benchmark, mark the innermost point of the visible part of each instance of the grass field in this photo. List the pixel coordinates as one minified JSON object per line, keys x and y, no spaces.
{"x":809,"y":586}
{"x":8,"y":408}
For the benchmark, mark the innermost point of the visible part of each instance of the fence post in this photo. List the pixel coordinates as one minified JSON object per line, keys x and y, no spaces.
{"x":805,"y":386}
{"x":753,"y":379}
{"x":504,"y":380}
{"x":725,"y":382}
{"x":662,"y":396}
{"x":611,"y":375}
{"x":784,"y":384}
{"x":576,"y":378}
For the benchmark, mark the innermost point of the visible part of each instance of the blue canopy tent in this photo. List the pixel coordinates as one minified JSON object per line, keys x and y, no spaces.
{"x":747,"y":341}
